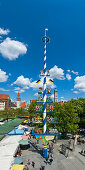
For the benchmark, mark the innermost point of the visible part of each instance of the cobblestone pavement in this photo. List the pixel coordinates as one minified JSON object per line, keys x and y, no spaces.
{"x":74,"y":161}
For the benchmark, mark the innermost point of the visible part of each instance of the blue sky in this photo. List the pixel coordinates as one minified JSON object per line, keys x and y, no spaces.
{"x":22,"y":25}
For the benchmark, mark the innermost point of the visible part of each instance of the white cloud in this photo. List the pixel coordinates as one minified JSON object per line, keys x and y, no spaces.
{"x":18,"y":89}
{"x":2,"y":89}
{"x":4,"y":32}
{"x":80,"y":83}
{"x":69,"y":71}
{"x":36,"y":94}
{"x":76,"y":73}
{"x":12,"y":49}
{"x":57,"y":73}
{"x":3,"y":76}
{"x":9,"y":74}
{"x":62,"y":97}
{"x":68,"y":76}
{"x":27,"y":83}
{"x":76,"y":92}
{"x":23,"y":82}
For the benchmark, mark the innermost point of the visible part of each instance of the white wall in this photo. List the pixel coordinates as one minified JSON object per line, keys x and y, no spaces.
{"x":2,"y":106}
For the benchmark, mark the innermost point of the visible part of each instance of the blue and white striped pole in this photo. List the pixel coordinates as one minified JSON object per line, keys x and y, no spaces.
{"x":44,"y":86}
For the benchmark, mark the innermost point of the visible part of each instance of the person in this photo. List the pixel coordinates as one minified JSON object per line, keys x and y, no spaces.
{"x":51,"y":155}
{"x":84,"y":152}
{"x":49,"y":148}
{"x":33,"y":164}
{"x":19,"y":153}
{"x":42,"y":167}
{"x":48,"y":156}
{"x":50,"y":161}
{"x":46,"y":160}
{"x":28,"y":162}
{"x":52,"y":145}
{"x":16,"y":154}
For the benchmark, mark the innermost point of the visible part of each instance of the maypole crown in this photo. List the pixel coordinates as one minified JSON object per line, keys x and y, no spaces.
{"x":45,"y":38}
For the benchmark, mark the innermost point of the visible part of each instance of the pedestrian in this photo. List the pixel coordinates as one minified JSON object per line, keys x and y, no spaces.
{"x":42,"y":168}
{"x":84,"y":152}
{"x":28,"y":162}
{"x":46,"y":160}
{"x":48,"y":156}
{"x":52,"y":145}
{"x":33,"y":164}
{"x":16,"y":154}
{"x":50,"y":161}
{"x":49,"y":149}
{"x":51,"y":155}
{"x":19,"y":153}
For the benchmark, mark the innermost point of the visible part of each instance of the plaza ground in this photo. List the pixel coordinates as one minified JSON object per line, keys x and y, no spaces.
{"x":74,"y":161}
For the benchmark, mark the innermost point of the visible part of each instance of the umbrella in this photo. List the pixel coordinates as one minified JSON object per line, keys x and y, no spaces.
{"x":25,"y":137}
{"x":24,"y":142}
{"x":18,"y":160}
{"x":17,"y":167}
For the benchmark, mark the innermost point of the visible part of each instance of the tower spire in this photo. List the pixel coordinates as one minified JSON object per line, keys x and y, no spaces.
{"x":18,"y":100}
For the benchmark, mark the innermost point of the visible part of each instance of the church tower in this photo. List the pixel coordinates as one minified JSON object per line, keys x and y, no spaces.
{"x":55,"y":95}
{"x":18,"y":101}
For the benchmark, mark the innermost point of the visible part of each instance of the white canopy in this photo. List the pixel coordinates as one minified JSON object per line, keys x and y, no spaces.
{"x":8,"y":147}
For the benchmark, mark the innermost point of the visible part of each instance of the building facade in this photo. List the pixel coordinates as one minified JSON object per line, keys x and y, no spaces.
{"x":2,"y":106}
{"x":5,"y":98}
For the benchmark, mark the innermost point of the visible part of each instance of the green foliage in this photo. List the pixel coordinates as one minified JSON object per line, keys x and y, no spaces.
{"x":80,"y":109}
{"x":67,"y":117}
{"x":31,"y":109}
{"x":13,"y":113}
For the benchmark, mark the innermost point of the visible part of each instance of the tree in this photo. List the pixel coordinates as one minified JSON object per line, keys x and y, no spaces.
{"x":31,"y":109}
{"x":80,"y":108}
{"x":67,"y":117}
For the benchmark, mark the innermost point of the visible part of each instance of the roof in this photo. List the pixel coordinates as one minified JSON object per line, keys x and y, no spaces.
{"x":22,"y":104}
{"x":9,"y":126}
{"x":4,"y":96}
{"x":61,"y":103}
{"x":16,"y":132}
{"x":15,"y":103}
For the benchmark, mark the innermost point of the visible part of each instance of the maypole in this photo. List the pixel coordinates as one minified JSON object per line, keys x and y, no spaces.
{"x":45,"y":39}
{"x":44,"y":87}
{"x":45,"y":91}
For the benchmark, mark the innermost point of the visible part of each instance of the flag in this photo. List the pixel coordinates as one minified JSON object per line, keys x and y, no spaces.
{"x":38,"y":81}
{"x":51,"y":81}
